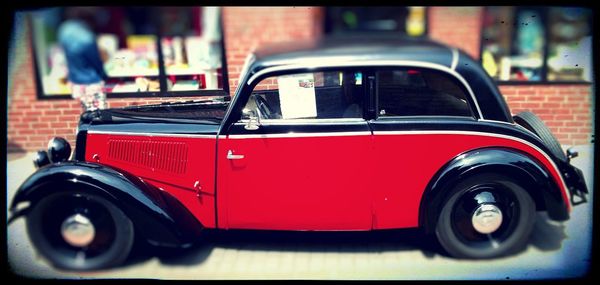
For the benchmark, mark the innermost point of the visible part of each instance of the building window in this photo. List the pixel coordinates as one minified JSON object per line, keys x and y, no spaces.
{"x":550,"y":44}
{"x":569,"y":43}
{"x":145,"y":51}
{"x":409,"y":21}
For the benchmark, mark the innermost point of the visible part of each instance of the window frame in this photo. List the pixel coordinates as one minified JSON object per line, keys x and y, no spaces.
{"x":162,"y":76}
{"x":249,"y":90}
{"x":544,"y":13}
{"x":468,"y":98}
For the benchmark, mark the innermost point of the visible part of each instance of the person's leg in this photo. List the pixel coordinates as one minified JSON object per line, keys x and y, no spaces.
{"x":78,"y":91}
{"x":96,"y":96}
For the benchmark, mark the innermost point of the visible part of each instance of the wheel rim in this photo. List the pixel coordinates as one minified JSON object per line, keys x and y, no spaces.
{"x":78,"y":228}
{"x":485,"y":216}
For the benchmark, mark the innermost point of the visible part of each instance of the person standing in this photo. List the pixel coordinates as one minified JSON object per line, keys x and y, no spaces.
{"x":86,"y":71}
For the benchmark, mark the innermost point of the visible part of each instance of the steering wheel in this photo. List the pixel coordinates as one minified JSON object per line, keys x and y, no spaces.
{"x":263,"y":107}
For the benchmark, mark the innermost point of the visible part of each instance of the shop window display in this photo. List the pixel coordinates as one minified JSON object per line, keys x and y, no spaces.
{"x":569,"y":54}
{"x":192,"y":53}
{"x":537,"y":44}
{"x":187,"y":62}
{"x":409,"y":21}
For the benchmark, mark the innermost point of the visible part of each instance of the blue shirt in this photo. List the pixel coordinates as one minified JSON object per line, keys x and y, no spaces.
{"x":81,"y":51}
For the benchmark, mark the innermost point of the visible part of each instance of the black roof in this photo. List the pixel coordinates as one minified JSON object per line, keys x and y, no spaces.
{"x":357,"y":48}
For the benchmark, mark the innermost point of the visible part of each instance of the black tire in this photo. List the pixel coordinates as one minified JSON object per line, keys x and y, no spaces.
{"x":455,"y":230}
{"x":112,"y":239}
{"x":533,"y":123}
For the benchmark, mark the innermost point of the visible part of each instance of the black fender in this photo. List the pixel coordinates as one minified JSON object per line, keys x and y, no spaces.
{"x":525,"y":171}
{"x":157,"y":216}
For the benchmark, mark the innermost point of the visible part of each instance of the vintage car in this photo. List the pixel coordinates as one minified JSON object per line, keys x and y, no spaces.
{"x":323,"y":135}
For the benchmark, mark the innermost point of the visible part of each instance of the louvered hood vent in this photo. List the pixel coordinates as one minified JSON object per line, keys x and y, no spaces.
{"x":155,"y":155}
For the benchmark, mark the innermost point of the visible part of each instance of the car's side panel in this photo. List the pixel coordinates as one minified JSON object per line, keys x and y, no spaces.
{"x":405,"y":162}
{"x":181,"y":165}
{"x":295,"y":181}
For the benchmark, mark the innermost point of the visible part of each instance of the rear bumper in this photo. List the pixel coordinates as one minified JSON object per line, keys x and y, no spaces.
{"x":576,"y":184}
{"x":576,"y":191}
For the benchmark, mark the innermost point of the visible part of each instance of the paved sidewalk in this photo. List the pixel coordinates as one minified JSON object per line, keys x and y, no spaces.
{"x":556,"y":250}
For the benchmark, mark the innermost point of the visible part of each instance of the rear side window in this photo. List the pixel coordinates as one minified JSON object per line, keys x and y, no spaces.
{"x":419,"y":92}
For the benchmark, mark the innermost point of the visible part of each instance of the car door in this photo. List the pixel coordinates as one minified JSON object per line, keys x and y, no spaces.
{"x":297,"y":159}
{"x":418,"y":113}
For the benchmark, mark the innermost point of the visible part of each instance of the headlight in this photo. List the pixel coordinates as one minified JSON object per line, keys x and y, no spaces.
{"x":58,"y":149}
{"x":41,"y":159}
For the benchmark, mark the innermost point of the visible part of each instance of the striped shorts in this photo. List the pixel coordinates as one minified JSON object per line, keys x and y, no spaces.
{"x":91,"y":96}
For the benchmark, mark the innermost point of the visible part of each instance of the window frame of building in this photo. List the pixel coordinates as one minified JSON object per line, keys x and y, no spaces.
{"x":162,"y":74}
{"x":328,"y":25}
{"x":544,"y":13}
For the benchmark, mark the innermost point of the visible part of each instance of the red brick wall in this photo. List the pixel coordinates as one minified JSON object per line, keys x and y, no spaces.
{"x":566,"y":109}
{"x":32,"y":122}
{"x":457,"y":26}
{"x":247,"y":28}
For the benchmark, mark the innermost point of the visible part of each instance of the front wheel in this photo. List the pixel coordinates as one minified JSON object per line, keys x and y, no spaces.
{"x":80,"y":231}
{"x":486,"y":216}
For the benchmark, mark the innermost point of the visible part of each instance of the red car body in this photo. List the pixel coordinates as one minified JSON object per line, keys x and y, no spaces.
{"x":316,"y":180}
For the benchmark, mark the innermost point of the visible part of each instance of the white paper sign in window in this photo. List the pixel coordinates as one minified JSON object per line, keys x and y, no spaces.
{"x":297,"y":96}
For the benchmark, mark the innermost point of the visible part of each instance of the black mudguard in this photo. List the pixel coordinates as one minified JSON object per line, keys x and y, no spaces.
{"x":526,"y":171}
{"x":157,"y":216}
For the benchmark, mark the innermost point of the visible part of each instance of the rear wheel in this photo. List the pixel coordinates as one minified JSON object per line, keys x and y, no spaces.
{"x":78,"y":231}
{"x":486,"y":216}
{"x":533,"y":123}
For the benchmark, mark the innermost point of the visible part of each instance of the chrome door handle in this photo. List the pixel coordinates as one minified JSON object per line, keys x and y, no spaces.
{"x":230,"y":155}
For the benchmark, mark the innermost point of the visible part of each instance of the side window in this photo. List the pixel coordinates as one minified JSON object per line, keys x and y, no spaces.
{"x":316,"y":95}
{"x":419,"y":92}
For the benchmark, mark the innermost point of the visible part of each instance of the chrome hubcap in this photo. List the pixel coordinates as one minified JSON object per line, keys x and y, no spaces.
{"x":78,"y":230}
{"x":487,"y":219}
